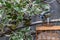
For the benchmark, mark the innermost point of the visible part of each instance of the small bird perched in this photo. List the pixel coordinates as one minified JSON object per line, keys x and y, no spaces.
{"x":45,"y":16}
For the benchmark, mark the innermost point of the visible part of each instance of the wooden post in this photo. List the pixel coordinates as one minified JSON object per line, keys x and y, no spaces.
{"x":44,"y":28}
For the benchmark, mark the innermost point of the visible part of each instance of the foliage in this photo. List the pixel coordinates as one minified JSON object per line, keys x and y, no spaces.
{"x":22,"y":34}
{"x":16,"y":11}
{"x":21,"y":7}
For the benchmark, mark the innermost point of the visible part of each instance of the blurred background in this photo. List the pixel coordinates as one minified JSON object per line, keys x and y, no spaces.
{"x":55,"y":14}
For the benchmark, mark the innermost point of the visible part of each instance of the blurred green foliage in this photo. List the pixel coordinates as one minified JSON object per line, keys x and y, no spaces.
{"x":20,"y":10}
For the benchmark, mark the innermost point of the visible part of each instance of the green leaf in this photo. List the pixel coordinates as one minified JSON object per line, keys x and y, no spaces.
{"x":8,"y":5}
